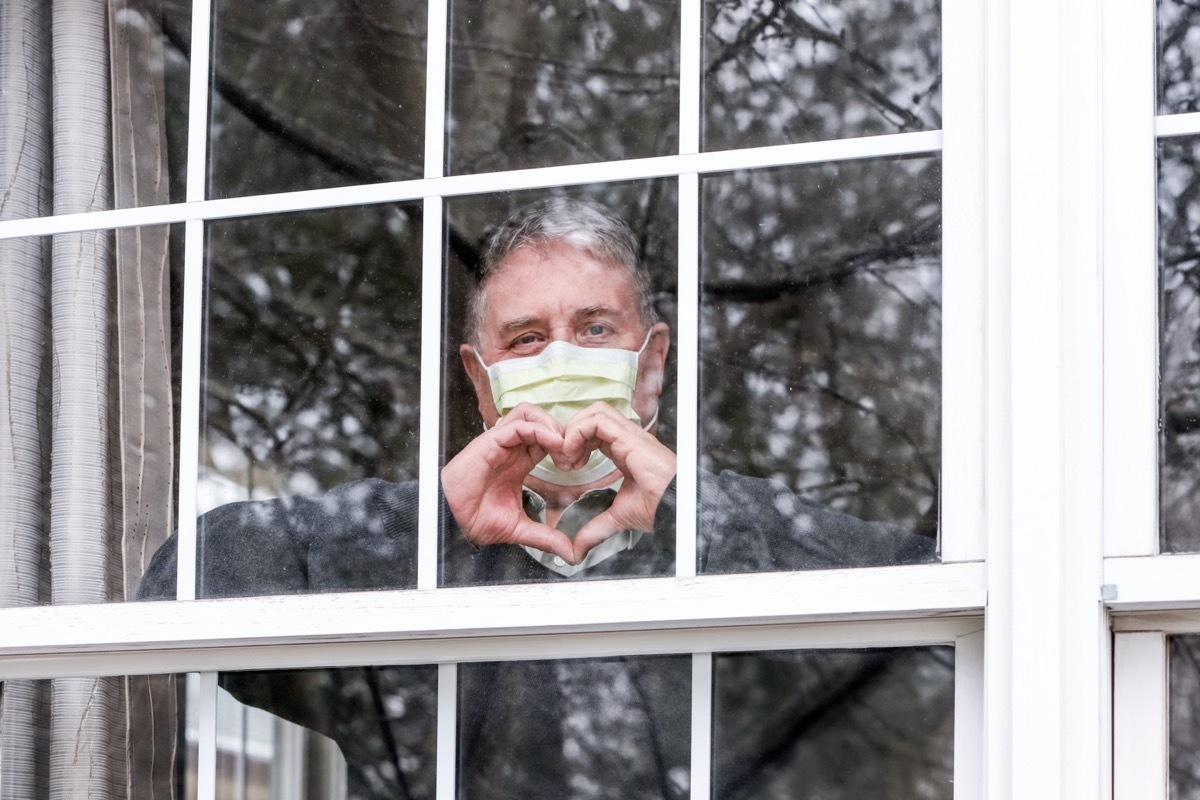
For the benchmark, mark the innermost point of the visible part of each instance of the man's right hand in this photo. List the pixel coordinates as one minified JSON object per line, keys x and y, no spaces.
{"x":483,"y":483}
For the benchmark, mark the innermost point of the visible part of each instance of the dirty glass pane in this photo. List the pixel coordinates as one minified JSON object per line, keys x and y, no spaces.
{"x":820,"y":373}
{"x":587,"y":728}
{"x":308,"y":94}
{"x":1179,"y":354}
{"x":834,"y":724}
{"x":87,"y":737}
{"x":358,"y":733}
{"x":650,"y":209}
{"x":1178,"y":56}
{"x":536,"y":84}
{"x":310,"y":405}
{"x":782,"y":71}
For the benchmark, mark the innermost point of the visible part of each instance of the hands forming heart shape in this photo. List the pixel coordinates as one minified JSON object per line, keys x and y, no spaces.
{"x":483,"y":484}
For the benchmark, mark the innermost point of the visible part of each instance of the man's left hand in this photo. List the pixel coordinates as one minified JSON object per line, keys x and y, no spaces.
{"x":648,"y":467}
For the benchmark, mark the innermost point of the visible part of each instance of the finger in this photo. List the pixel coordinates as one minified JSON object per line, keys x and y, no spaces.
{"x":543,"y":537}
{"x":528,"y":412}
{"x":601,"y":528}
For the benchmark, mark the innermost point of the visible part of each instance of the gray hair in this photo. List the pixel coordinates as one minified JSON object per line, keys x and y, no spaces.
{"x":560,"y":219}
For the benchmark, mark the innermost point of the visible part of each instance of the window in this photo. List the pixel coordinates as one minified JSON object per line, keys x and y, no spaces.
{"x":906,"y":256}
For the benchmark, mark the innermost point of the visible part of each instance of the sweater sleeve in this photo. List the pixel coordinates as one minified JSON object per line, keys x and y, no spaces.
{"x":756,"y":525}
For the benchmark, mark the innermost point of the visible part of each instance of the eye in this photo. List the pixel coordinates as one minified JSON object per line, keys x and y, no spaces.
{"x":596,"y":329}
{"x":528,"y":338}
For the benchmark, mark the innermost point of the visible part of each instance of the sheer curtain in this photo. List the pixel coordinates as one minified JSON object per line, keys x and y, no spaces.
{"x":86,"y":451}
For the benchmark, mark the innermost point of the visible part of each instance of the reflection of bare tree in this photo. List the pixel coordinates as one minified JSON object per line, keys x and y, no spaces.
{"x":836,"y":724}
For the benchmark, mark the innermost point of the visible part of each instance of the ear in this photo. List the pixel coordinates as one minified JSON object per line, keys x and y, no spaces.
{"x":483,"y":386}
{"x":652,"y":365}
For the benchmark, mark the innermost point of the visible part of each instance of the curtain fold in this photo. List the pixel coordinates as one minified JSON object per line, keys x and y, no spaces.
{"x":24,"y":178}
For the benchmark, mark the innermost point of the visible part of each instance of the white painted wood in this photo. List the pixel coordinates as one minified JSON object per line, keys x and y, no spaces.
{"x":569,"y":175}
{"x":702,"y":707}
{"x":436,"y":55}
{"x":206,"y":760}
{"x":190,"y":423}
{"x":691,"y":22}
{"x":198,"y":82}
{"x":447,"y":732}
{"x":432,"y":259}
{"x":1130,"y":280}
{"x":1167,"y":124}
{"x":687,"y":338}
{"x":876,"y":593}
{"x":998,"y":632}
{"x":964,"y":265}
{"x":1140,"y":717}
{"x":1033,"y":597}
{"x":1148,"y":583}
{"x":968,"y":717}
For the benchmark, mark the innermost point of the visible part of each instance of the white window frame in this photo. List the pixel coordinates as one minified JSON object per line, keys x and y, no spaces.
{"x":943,"y":603}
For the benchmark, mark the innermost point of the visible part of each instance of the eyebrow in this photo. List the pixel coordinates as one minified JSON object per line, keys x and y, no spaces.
{"x":518,"y":324}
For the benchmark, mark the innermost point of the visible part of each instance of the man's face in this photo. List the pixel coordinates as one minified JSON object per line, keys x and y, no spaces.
{"x":560,"y":293}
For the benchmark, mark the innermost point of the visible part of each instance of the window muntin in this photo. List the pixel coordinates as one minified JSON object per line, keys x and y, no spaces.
{"x":781,"y":72}
{"x":546,"y":83}
{"x":308,"y":94}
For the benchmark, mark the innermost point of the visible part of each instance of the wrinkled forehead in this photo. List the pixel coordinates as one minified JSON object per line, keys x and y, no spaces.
{"x":546,"y":268}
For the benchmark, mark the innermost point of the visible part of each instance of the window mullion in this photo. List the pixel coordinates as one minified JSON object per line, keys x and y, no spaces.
{"x":1130,"y":296}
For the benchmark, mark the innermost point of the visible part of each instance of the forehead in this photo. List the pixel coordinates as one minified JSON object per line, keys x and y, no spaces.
{"x":552,"y":280}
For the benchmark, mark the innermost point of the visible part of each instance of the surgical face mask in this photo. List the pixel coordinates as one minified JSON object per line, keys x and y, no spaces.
{"x":564,"y":379}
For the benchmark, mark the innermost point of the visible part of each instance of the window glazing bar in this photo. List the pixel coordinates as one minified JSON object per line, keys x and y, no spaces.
{"x":690,"y":56}
{"x":1168,"y":124}
{"x":206,"y":760}
{"x":570,"y":175}
{"x":447,"y":732}
{"x":191,"y":389}
{"x":688,"y":384}
{"x":431,"y":387}
{"x":702,"y":697}
{"x":1140,"y":720}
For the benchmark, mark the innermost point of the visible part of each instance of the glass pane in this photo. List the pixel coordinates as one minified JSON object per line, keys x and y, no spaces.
{"x":1179,"y":356}
{"x":357,"y":733}
{"x":308,"y":94}
{"x":311,"y":405}
{"x":589,"y":728}
{"x":1178,"y":56}
{"x":81,"y":438}
{"x":649,"y":209}
{"x":834,"y":724}
{"x":542,"y":83}
{"x":85,"y":737}
{"x":781,"y":72}
{"x":98,"y":120}
{"x":820,"y":372}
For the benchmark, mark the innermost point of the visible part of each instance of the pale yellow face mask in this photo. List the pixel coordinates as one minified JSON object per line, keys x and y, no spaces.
{"x":563,"y":380}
